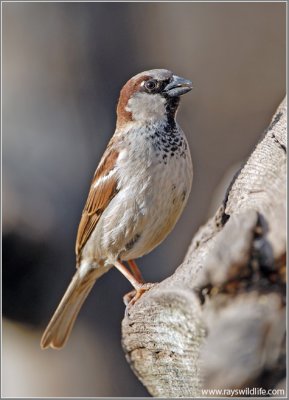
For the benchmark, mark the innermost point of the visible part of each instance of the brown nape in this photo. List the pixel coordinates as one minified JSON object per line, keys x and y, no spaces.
{"x":131,"y":87}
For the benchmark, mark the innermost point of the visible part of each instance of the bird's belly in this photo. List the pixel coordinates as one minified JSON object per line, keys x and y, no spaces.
{"x":157,"y":226}
{"x":143,"y":212}
{"x":162,"y":204}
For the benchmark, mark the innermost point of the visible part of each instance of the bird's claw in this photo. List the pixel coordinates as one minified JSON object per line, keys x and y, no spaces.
{"x":131,"y":297}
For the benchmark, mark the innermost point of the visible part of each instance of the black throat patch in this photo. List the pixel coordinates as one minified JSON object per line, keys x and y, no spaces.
{"x":168,"y":142}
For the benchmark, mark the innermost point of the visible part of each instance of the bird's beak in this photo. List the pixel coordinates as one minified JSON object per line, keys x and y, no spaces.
{"x":178,"y":86}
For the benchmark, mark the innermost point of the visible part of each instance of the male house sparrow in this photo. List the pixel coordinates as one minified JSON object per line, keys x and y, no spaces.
{"x":137,"y":194}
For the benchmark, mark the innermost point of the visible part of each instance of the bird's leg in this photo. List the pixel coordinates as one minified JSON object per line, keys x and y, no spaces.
{"x":140,"y":287}
{"x":135,"y":270}
{"x":133,"y":280}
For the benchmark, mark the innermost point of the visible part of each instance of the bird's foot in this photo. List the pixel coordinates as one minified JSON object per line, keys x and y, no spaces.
{"x":131,"y":297}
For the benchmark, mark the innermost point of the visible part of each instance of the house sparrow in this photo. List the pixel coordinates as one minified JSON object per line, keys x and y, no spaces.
{"x":137,"y":194}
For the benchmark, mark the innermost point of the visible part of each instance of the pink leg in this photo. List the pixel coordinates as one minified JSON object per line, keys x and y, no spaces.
{"x":140,"y":287}
{"x":135,"y":270}
{"x":135,"y":283}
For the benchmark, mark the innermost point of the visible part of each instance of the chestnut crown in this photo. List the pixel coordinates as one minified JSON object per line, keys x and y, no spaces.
{"x":151,"y":95}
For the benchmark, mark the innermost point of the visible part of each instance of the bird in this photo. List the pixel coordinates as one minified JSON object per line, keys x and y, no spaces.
{"x":137,"y":193}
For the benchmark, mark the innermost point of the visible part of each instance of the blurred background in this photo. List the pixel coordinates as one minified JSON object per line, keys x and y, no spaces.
{"x":63,"y":67}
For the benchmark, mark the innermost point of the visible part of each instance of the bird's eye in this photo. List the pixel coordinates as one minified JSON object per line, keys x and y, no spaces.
{"x":151,"y":84}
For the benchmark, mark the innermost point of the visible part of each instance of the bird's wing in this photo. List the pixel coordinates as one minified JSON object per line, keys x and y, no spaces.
{"x":103,"y":189}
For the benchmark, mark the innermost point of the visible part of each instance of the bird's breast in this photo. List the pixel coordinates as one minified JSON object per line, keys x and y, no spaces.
{"x":154,"y":174}
{"x":156,"y":178}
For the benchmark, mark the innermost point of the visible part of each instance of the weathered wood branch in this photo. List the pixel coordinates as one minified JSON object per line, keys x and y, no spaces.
{"x":218,"y":321}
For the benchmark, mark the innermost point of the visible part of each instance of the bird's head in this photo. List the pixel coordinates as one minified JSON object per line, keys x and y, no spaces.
{"x":151,"y":96}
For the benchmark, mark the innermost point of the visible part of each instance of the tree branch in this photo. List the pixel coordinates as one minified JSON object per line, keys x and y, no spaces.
{"x":218,"y":321}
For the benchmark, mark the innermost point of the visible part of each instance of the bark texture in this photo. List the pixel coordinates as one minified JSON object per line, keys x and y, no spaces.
{"x":219,"y":321}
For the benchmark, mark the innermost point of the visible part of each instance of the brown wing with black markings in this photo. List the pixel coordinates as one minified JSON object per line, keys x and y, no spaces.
{"x":103,"y":188}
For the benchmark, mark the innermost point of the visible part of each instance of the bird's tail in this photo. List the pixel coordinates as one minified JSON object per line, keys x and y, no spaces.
{"x":58,"y":330}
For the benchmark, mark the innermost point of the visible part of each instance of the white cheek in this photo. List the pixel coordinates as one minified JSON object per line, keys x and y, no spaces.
{"x":146,"y":106}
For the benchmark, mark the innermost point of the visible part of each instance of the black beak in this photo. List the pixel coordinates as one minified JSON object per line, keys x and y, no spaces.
{"x":178,"y":86}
